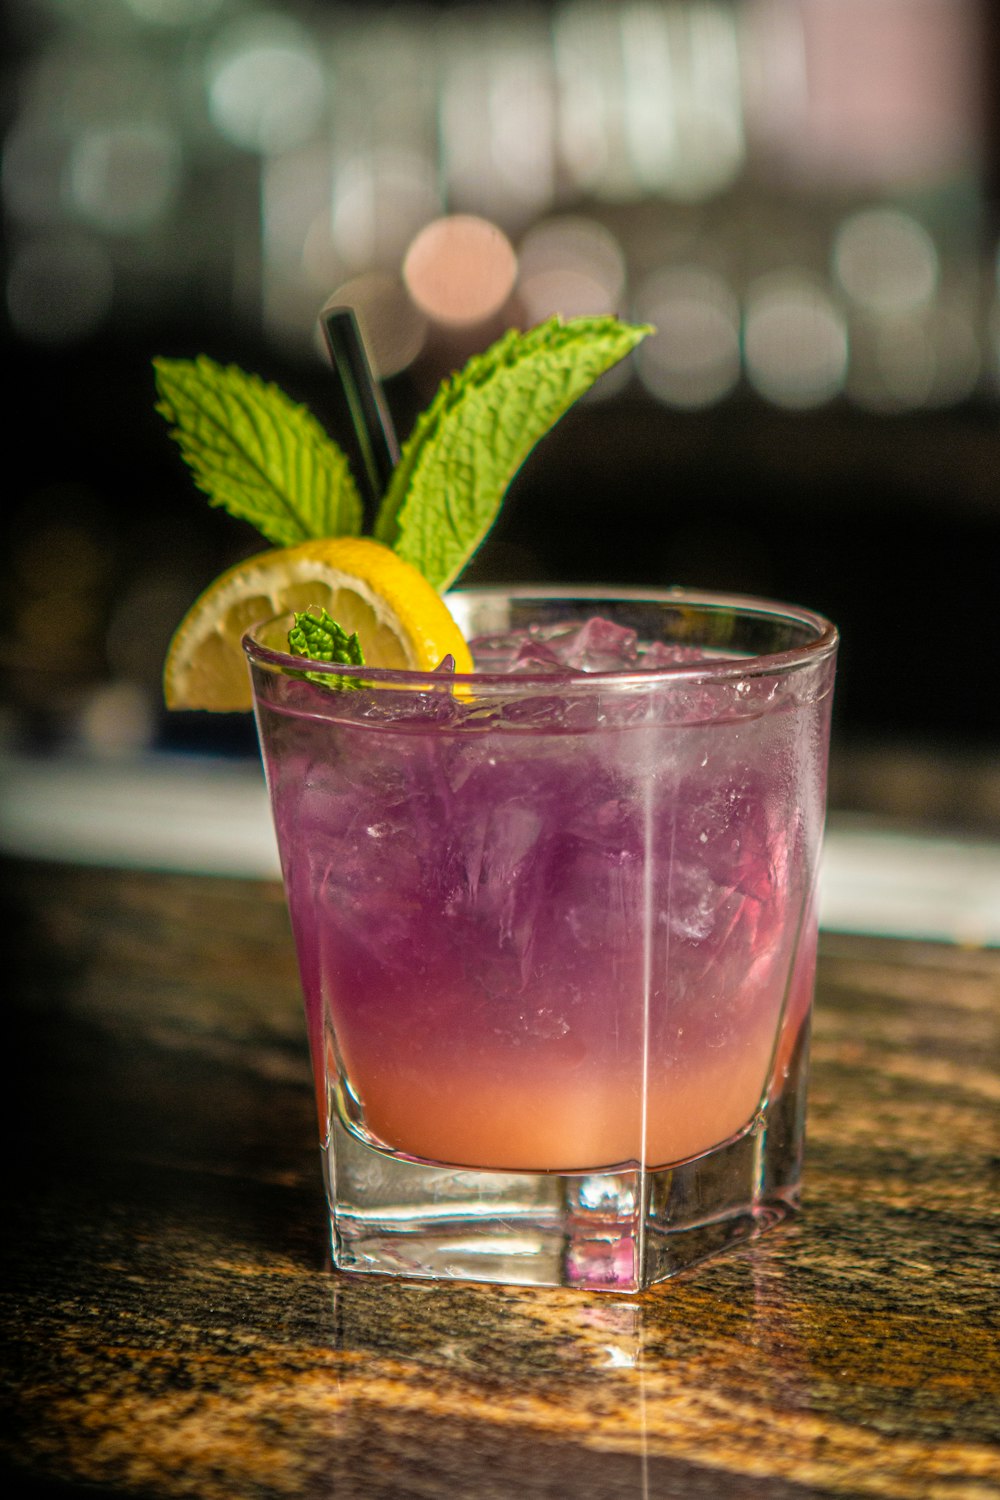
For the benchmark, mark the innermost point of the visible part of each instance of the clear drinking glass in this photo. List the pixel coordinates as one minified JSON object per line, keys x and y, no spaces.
{"x":557,"y":935}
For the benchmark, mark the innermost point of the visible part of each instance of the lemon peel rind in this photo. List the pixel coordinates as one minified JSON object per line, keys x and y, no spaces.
{"x":205,"y":667}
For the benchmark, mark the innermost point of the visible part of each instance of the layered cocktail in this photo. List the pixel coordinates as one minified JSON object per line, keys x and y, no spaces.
{"x":556,"y":928}
{"x":550,"y":860}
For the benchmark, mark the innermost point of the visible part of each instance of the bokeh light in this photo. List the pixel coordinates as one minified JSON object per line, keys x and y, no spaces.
{"x":460,"y":270}
{"x":116,"y":721}
{"x":266,"y":86}
{"x":497,"y":113}
{"x":394,"y":329}
{"x":570,"y":265}
{"x":299,"y":264}
{"x":174,"y":12}
{"x":381,"y":200}
{"x":693,"y":358}
{"x":124,"y":177}
{"x":794,"y":341}
{"x":682,"y":98}
{"x":649,"y":98}
{"x":522,"y":108}
{"x":885,"y":260}
{"x":586,"y":57}
{"x":928,"y":361}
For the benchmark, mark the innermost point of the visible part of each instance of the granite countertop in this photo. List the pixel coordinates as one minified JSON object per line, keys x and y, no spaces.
{"x":173,"y":1328}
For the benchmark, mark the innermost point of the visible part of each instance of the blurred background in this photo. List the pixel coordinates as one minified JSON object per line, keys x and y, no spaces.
{"x":800,"y":194}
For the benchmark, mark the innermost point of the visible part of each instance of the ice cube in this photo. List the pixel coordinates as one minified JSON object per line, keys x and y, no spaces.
{"x":534,"y":655}
{"x":388,"y":707}
{"x":598,"y":646}
{"x":656,"y":655}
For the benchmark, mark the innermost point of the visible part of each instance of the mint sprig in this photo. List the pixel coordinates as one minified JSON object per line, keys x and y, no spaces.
{"x":320,"y":638}
{"x":467,"y":446}
{"x":267,"y":460}
{"x":256,"y":453}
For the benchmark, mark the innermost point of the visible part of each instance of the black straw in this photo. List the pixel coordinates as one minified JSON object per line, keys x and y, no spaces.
{"x":369,"y":413}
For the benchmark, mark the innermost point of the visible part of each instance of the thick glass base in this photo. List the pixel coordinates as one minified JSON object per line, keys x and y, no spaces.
{"x":617,"y":1230}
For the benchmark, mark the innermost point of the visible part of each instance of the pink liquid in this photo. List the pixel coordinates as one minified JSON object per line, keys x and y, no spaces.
{"x":556,"y":935}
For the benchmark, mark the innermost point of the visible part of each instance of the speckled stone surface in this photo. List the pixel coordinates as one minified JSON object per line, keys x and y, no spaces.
{"x":172,"y":1327}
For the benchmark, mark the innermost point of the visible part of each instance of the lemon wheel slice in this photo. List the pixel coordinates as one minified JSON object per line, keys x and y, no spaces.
{"x":401,"y":621}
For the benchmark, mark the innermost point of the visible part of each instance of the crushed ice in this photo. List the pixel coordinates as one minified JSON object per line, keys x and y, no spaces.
{"x":594,"y":645}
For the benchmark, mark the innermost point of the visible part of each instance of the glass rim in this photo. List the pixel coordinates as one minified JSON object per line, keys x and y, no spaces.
{"x":720,"y":669}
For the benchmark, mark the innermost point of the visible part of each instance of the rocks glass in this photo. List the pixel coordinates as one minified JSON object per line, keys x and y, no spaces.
{"x":557,"y":930}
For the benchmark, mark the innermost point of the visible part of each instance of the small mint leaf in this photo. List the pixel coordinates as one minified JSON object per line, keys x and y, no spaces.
{"x":320,"y":638}
{"x":482,"y":424}
{"x":256,"y":453}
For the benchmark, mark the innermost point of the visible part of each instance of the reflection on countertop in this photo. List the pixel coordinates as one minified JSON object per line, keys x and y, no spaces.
{"x":174,"y":1329}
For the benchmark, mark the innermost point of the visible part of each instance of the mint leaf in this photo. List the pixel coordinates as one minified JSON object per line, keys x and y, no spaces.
{"x":257,"y":453}
{"x":482,"y":424}
{"x":321,"y":639}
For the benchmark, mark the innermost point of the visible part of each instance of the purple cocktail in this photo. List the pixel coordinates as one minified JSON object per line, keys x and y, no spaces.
{"x":556,"y":931}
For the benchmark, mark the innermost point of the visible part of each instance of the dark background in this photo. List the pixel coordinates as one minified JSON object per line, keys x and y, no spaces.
{"x":886,"y":520}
